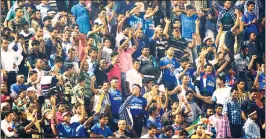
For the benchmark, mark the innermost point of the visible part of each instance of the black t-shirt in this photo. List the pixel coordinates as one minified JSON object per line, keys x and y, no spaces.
{"x":20,"y":128}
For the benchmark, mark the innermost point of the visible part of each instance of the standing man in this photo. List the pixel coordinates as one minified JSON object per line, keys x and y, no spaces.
{"x":220,"y":122}
{"x":137,"y":106}
{"x":167,"y":65}
{"x":232,"y":109}
{"x":115,"y":97}
{"x":10,"y":60}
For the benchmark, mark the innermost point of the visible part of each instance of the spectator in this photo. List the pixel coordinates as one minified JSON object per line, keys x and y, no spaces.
{"x":82,"y":17}
{"x":151,"y":132}
{"x":101,"y":129}
{"x":229,"y":109}
{"x":251,"y":128}
{"x":220,"y":122}
{"x":19,"y":85}
{"x":7,"y":125}
{"x":250,"y":19}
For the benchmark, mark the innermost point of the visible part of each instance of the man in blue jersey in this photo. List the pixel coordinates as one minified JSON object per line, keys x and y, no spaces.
{"x":137,"y":106}
{"x":115,"y":97}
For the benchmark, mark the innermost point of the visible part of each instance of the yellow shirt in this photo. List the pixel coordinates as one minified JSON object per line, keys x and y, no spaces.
{"x":37,"y":124}
{"x":149,"y":96}
{"x":196,"y":136}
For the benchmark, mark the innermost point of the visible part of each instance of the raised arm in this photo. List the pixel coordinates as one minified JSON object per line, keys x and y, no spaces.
{"x":99,"y":45}
{"x":83,"y":60}
{"x":53,"y":103}
{"x":152,"y":13}
{"x":93,"y":79}
{"x":257,"y":77}
{"x":127,"y":41}
{"x":136,"y":43}
{"x":176,"y":90}
{"x":121,"y":23}
{"x":254,"y":57}
{"x":82,"y":112}
{"x":222,"y":68}
{"x":96,"y":30}
{"x":166,"y":28}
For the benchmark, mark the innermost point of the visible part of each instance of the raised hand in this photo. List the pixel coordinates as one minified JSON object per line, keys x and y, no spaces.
{"x":127,"y":14}
{"x":167,"y":21}
{"x":197,"y":22}
{"x":254,"y":57}
{"x":99,"y":45}
{"x":93,"y":79}
{"x":156,"y":9}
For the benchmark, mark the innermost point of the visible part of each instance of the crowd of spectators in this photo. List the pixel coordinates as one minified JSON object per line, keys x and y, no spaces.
{"x":133,"y":69}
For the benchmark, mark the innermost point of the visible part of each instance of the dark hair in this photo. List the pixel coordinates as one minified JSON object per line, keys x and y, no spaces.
{"x":250,"y":3}
{"x":52,"y":29}
{"x":244,"y":47}
{"x":184,"y":59}
{"x":218,"y":105}
{"x":209,"y":107}
{"x":20,"y":91}
{"x":74,"y":25}
{"x":51,"y":92}
{"x":80,"y":79}
{"x":195,"y":128}
{"x":136,"y":85}
{"x":113,"y":78}
{"x":101,"y":116}
{"x":122,"y":41}
{"x":47,"y":18}
{"x":189,"y":7}
{"x":107,"y":38}
{"x":222,"y":77}
{"x":36,"y":60}
{"x":93,"y":49}
{"x":233,"y":89}
{"x":208,"y":64}
{"x":125,"y":27}
{"x":35,"y":43}
{"x":183,"y":132}
{"x":58,"y":59}
{"x":167,"y":128}
{"x":145,"y":47}
{"x":253,"y":90}
{"x":68,"y":66}
{"x":32,"y":72}
{"x":152,"y":109}
{"x":77,"y":105}
{"x":18,"y":9}
{"x":6,"y":113}
{"x":71,"y":49}
{"x":189,"y":92}
{"x":90,"y":37}
{"x":135,"y":60}
{"x":152,"y":126}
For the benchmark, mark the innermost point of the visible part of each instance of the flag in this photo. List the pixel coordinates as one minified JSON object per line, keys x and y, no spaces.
{"x":191,"y":131}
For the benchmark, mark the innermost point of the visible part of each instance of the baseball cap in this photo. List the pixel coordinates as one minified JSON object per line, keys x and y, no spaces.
{"x":31,"y":89}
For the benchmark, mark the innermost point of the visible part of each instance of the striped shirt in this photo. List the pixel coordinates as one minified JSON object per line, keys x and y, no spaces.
{"x":251,"y":129}
{"x":124,"y":112}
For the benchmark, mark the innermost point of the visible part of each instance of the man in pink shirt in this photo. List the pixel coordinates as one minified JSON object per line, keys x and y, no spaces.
{"x":115,"y":71}
{"x":125,"y":58}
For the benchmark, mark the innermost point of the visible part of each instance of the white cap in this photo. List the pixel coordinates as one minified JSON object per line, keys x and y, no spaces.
{"x":31,"y":89}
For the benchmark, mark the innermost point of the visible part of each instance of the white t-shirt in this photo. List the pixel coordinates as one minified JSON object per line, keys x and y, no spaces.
{"x":221,"y":95}
{"x":75,"y":118}
{"x":119,"y":37}
{"x":133,"y":77}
